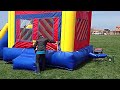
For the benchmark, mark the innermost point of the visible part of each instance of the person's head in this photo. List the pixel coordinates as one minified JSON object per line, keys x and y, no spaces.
{"x":40,"y":37}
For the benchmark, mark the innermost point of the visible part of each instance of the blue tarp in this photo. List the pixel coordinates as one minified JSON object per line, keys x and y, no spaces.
{"x":92,"y":55}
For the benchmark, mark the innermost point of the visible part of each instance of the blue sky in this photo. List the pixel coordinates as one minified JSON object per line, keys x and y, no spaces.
{"x":105,"y":19}
{"x":100,"y":19}
{"x":3,"y":18}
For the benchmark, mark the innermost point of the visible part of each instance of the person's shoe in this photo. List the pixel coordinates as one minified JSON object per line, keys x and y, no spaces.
{"x":43,"y":69}
{"x":36,"y":72}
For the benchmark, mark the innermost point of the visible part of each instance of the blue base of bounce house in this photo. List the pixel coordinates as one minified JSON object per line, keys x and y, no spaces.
{"x":66,"y":60}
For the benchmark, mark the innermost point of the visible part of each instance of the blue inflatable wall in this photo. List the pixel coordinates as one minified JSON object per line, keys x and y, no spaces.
{"x":66,"y":60}
{"x":11,"y":53}
{"x":26,"y":60}
{"x":3,"y":43}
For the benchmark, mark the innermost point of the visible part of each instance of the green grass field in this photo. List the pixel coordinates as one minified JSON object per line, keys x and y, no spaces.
{"x":90,"y":70}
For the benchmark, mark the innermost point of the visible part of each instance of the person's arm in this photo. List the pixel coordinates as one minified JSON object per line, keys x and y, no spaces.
{"x":34,"y":46}
{"x":51,"y":41}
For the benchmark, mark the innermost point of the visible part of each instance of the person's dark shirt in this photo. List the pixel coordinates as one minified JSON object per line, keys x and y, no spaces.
{"x":42,"y":42}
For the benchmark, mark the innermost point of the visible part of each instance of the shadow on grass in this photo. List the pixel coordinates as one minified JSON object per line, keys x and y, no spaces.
{"x":9,"y":62}
{"x":51,"y":68}
{"x":78,"y":67}
{"x":83,"y":64}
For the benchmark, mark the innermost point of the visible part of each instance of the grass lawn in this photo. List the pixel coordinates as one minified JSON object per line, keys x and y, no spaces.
{"x":90,"y":70}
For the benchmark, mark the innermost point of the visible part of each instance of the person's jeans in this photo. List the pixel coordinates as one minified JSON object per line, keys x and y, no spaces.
{"x":40,"y":58}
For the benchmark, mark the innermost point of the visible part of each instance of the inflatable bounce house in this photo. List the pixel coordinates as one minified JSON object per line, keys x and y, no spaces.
{"x":71,"y":28}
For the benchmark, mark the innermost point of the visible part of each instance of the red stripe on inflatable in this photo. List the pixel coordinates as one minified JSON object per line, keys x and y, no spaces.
{"x":50,"y":21}
{"x":42,"y":32}
{"x":78,"y":23}
{"x":78,"y":28}
{"x":22,"y":35}
{"x":56,"y":21}
{"x":47,"y":35}
{"x":33,"y":12}
{"x":51,"y":46}
{"x":17,"y":30}
{"x":46,"y":28}
{"x":35,"y":29}
{"x":83,"y":30}
{"x":29,"y":36}
{"x":23,"y":45}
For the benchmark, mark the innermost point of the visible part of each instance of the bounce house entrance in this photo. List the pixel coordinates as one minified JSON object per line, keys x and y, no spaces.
{"x":28,"y":30}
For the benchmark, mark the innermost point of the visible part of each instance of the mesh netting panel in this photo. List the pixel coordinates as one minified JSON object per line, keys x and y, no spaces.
{"x":46,"y":28}
{"x":26,"y":32}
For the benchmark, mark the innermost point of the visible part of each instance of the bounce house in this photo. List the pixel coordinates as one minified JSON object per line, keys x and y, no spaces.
{"x":71,"y":28}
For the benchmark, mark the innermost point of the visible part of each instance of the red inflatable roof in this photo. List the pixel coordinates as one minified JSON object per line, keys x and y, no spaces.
{"x":33,"y":12}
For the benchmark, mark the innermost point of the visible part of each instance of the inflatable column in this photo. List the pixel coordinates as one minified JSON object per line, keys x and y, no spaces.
{"x":68,"y":31}
{"x":11,"y":28}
